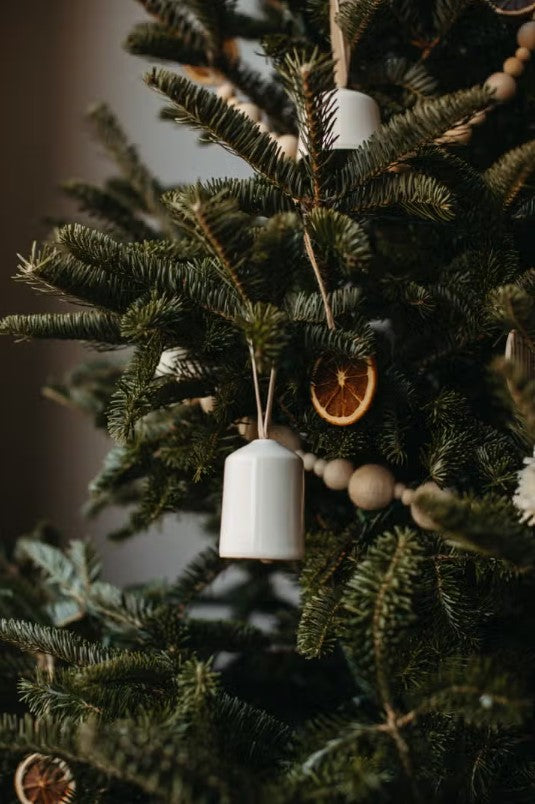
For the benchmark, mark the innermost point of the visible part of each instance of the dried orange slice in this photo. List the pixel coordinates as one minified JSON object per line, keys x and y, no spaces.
{"x":210,"y":76}
{"x":343,"y":389}
{"x":513,"y":8}
{"x":43,"y":779}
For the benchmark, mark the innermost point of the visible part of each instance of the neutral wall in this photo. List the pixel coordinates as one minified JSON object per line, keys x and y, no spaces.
{"x":60,"y":56}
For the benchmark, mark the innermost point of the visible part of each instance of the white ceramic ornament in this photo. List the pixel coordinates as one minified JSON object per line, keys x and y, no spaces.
{"x":356,"y":118}
{"x":263,"y":503}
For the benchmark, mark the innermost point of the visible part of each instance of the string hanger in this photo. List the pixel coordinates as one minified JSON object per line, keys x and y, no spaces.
{"x":340,"y":48}
{"x":264,"y":419}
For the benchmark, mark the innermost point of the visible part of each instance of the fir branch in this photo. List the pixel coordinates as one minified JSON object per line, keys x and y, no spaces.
{"x":308,"y":78}
{"x":268,"y":95}
{"x":412,"y":77}
{"x":480,"y":691}
{"x":336,"y":234}
{"x":104,"y":206}
{"x":157,"y":41}
{"x":355,"y":17}
{"x":218,"y":225}
{"x":255,"y":195}
{"x":240,"y":721}
{"x":48,"y":270}
{"x":321,"y":338}
{"x":49,"y":699}
{"x":113,"y":138}
{"x":196,"y":577}
{"x":488,"y":526}
{"x":415,"y":193}
{"x":319,"y":618}
{"x":221,"y":123}
{"x":98,"y":328}
{"x":308,"y":307}
{"x":62,"y":644}
{"x":379,"y":603}
{"x":131,"y":400}
{"x":405,"y":133}
{"x":212,"y":636}
{"x":508,"y":175}
{"x":178,"y":20}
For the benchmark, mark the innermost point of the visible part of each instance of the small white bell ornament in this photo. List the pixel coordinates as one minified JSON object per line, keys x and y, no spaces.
{"x":357,"y":117}
{"x":263,"y":503}
{"x":263,"y":493}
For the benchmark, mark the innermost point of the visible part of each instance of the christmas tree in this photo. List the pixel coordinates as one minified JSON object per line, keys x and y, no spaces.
{"x":371,"y":286}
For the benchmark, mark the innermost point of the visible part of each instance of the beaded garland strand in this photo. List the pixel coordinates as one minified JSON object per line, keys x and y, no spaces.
{"x":370,"y":487}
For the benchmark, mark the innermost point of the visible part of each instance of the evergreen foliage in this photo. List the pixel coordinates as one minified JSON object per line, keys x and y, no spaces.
{"x":404,"y":672}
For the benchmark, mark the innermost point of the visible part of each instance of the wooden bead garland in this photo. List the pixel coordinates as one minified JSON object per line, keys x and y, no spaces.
{"x":503,"y":85}
{"x":370,"y":487}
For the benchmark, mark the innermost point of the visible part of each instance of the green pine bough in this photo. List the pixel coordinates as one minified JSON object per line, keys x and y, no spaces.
{"x":405,"y":672}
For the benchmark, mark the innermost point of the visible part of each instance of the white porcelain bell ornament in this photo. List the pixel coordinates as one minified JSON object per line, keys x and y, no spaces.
{"x":263,"y":503}
{"x":357,"y":118}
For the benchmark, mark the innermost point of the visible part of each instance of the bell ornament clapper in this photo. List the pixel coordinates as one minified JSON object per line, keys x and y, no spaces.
{"x":263,"y":503}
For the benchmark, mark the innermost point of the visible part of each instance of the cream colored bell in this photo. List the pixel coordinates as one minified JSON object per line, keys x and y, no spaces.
{"x":263,"y":502}
{"x":356,"y":118}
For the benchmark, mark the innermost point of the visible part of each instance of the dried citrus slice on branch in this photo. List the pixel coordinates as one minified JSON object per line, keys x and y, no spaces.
{"x":43,"y":779}
{"x":342,"y":389}
{"x":513,"y":8}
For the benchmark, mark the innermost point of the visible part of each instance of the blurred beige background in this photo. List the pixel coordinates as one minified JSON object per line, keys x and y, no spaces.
{"x":59,"y":56}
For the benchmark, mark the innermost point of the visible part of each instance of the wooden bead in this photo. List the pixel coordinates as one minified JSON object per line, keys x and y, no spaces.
{"x":513,"y":66}
{"x":288,"y":438}
{"x":207,"y":404}
{"x":309,"y":459}
{"x":337,"y":473}
{"x":526,"y":35}
{"x":249,"y":109}
{"x":248,"y":428}
{"x":504,"y":86}
{"x":225,"y":91}
{"x":288,"y":145}
{"x":319,"y":467}
{"x":371,"y":487}
{"x":399,"y":488}
{"x":523,"y":53}
{"x":407,"y":496}
{"x":233,"y":101}
{"x":263,"y":129}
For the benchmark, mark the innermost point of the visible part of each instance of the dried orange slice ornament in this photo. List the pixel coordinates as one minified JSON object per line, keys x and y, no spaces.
{"x":342,"y":389}
{"x":210,"y":76}
{"x":513,"y":8}
{"x":43,"y":779}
